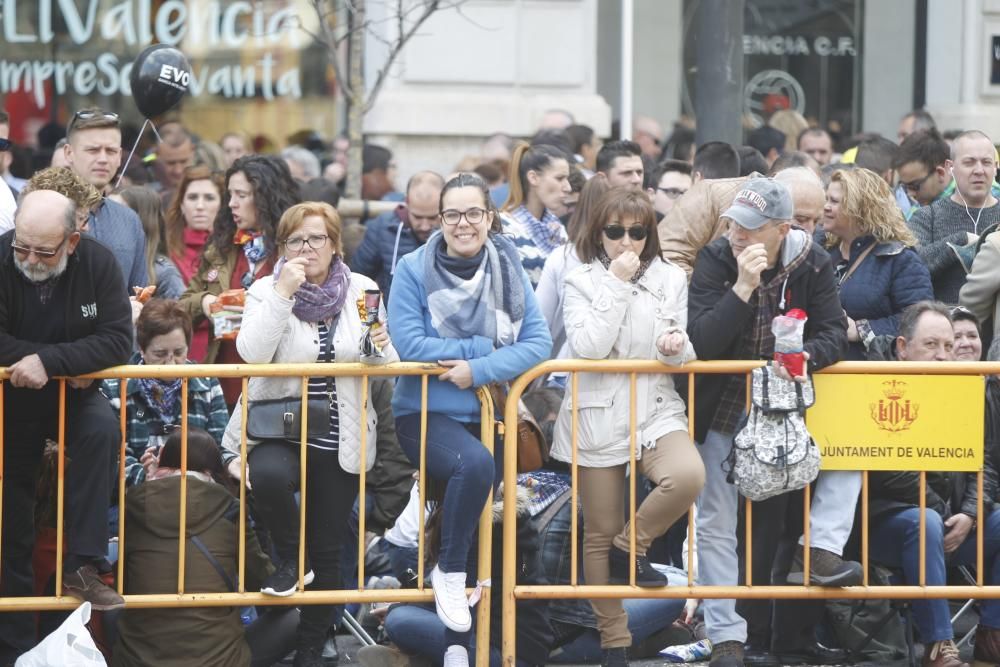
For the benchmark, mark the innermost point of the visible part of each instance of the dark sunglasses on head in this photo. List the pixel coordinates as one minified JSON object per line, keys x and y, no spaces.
{"x":615,"y":232}
{"x":6,"y":145}
{"x":90,"y":115}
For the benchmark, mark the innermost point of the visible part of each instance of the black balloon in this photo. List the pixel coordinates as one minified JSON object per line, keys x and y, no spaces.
{"x":159,"y":78}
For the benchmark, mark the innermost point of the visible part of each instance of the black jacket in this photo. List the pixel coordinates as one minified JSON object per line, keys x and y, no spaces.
{"x":98,"y":316}
{"x":718,"y":320}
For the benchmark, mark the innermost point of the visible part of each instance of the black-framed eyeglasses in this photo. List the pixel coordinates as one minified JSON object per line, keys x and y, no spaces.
{"x":314,"y":242}
{"x":473,"y":216}
{"x":914,"y":186}
{"x":672,"y":193}
{"x":615,"y":232}
{"x":6,"y":145}
{"x":23,"y":250}
{"x":247,"y":280}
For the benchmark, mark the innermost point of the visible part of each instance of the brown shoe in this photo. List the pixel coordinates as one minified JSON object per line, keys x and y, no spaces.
{"x":942,"y":654}
{"x":727,"y":654}
{"x":86,"y":585}
{"x":825,"y":569}
{"x":987,"y":645}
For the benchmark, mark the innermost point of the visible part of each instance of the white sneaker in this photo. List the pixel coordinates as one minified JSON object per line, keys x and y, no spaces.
{"x":451,"y":601}
{"x":456,"y":656}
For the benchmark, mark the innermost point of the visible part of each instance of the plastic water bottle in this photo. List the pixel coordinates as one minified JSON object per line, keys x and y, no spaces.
{"x":788,"y":331}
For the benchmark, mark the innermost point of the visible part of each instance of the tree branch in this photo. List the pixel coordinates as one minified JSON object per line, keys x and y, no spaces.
{"x":429,"y":7}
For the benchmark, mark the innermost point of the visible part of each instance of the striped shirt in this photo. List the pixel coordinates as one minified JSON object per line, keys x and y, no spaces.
{"x":318,"y":390}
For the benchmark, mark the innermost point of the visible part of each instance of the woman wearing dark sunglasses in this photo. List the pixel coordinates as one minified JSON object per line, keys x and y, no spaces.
{"x":625,"y":302}
{"x":242,"y":247}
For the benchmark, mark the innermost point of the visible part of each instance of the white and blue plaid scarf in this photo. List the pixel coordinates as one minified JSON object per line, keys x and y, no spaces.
{"x":490,"y":304}
{"x":547,"y":233}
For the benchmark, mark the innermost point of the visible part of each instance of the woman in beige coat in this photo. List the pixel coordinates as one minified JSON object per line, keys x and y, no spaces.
{"x":626,"y":303}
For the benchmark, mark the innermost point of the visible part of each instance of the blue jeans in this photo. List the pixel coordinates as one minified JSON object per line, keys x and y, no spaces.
{"x":902,"y":528}
{"x":456,"y":456}
{"x":645,"y":617}
{"x":417,"y":630}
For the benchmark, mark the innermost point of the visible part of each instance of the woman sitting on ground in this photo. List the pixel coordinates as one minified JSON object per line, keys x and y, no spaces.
{"x":204,"y":636}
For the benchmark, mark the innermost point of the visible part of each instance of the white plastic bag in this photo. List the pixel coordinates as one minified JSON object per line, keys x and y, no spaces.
{"x":70,"y":645}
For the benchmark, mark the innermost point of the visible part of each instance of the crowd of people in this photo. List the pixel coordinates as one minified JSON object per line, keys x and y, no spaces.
{"x":562,"y":246}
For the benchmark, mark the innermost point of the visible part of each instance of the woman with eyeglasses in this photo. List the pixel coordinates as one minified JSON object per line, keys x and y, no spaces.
{"x":872,"y":250}
{"x":539,"y":185}
{"x":153,"y":405}
{"x":625,"y":302}
{"x":307,"y":312}
{"x":241,"y":248}
{"x":461,"y":300}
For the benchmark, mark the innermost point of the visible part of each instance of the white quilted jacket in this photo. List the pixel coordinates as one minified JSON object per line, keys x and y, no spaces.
{"x":272,"y":334}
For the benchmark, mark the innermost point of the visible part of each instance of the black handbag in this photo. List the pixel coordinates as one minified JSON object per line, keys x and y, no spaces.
{"x":281,"y":418}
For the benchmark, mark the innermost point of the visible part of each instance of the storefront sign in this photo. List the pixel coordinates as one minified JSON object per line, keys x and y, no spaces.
{"x":208,"y":27}
{"x":898,"y":422}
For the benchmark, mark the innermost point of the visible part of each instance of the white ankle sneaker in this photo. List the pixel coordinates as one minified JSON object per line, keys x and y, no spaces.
{"x":456,"y":656}
{"x":450,"y":600}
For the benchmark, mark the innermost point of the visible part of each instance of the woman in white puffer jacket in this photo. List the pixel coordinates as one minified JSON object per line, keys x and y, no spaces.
{"x":626,"y":303}
{"x":307,"y":312}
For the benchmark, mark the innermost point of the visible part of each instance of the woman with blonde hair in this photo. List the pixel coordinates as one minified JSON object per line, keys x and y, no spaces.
{"x":792,"y":123}
{"x":872,"y":250}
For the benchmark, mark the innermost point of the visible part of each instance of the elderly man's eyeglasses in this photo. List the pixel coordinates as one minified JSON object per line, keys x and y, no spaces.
{"x":452,"y":217}
{"x":23,"y":251}
{"x":315,"y":242}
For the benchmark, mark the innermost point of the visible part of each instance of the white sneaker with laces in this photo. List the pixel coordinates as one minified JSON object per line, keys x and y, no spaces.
{"x":456,"y":656}
{"x":450,"y":600}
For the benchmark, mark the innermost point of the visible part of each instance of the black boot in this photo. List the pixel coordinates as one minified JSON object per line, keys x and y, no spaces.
{"x":646,"y":575}
{"x":614,"y":657}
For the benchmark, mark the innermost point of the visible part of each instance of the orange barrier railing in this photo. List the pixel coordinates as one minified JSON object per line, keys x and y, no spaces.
{"x":242,"y":597}
{"x":512,"y":591}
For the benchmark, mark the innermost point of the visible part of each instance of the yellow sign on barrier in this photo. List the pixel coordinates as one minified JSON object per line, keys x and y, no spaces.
{"x":898,"y":422}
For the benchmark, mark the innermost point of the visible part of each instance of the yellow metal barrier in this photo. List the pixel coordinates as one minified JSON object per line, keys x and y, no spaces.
{"x":512,"y":591}
{"x":241,"y":597}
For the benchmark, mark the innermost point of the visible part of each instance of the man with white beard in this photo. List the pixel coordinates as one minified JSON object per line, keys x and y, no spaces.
{"x":63,"y":312}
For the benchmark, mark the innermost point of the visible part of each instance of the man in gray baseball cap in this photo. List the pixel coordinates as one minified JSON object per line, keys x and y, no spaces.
{"x":759,"y":219}
{"x":762,"y":268}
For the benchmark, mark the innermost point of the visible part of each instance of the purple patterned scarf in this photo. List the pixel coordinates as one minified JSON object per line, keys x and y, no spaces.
{"x":315,"y":303}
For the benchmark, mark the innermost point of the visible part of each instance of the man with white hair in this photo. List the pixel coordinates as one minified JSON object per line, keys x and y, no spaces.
{"x":302,"y":162}
{"x":63,"y":312}
{"x":808,"y":196}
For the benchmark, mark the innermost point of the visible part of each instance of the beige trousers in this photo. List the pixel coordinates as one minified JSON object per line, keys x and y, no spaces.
{"x":674,"y":466}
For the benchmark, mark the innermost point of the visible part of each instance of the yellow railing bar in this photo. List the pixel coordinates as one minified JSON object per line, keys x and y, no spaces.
{"x":182,"y":523}
{"x":241,"y":566}
{"x":574,"y":575}
{"x":362,"y":478}
{"x":633,"y":472}
{"x":488,"y":426}
{"x":60,"y":487}
{"x":303,"y":453}
{"x":123,"y":422}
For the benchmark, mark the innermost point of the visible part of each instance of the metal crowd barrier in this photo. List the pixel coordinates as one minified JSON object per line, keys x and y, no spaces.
{"x":242,"y":597}
{"x":512,"y":591}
